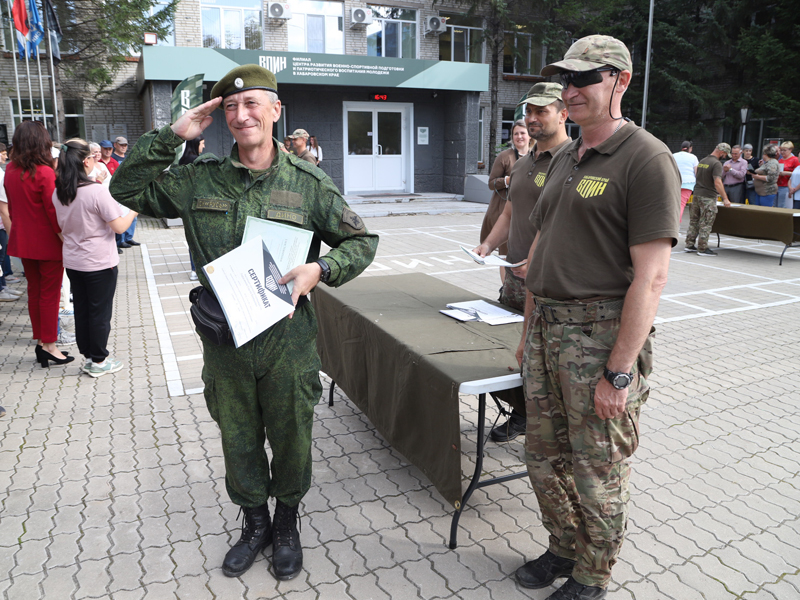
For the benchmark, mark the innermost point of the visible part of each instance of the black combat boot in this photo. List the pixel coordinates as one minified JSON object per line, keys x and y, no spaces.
{"x":572,"y":590}
{"x":544,"y":570}
{"x":287,"y":555}
{"x":256,"y":535}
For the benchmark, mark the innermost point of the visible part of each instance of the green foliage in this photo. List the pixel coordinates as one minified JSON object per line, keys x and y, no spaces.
{"x":102,"y":34}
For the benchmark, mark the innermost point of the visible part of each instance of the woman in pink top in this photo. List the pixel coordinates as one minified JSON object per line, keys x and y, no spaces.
{"x":89,"y":217}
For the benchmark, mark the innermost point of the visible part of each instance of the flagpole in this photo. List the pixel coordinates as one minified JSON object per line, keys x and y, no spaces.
{"x":41,"y":88}
{"x":28,"y":70}
{"x":52,"y":72}
{"x":14,"y":47}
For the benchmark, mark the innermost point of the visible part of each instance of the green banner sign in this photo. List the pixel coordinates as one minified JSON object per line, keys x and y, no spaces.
{"x":187,"y":95}
{"x":163,"y":63}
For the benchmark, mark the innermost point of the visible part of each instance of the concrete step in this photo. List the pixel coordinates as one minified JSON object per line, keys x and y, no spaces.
{"x":418,"y":208}
{"x":425,"y":197}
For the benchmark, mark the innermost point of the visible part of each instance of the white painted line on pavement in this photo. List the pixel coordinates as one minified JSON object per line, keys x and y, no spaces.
{"x":174,"y":383}
{"x":191,"y":357}
{"x":189,"y":332}
{"x":195,"y":391}
{"x":726,"y":311}
{"x":697,"y":264}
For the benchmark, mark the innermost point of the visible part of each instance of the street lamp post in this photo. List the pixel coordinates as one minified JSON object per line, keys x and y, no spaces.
{"x":745,"y":114}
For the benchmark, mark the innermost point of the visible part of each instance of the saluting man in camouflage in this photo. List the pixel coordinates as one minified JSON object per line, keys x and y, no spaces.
{"x":267,"y":388}
{"x":606,"y":219}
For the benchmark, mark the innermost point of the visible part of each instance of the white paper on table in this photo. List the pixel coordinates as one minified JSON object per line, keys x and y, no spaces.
{"x":491,"y":260}
{"x":288,"y":245}
{"x":245,"y":281}
{"x":459,"y":315}
{"x":488,"y":313}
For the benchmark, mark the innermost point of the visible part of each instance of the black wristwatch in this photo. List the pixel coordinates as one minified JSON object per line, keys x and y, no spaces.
{"x":326,"y":271}
{"x":618,"y":380}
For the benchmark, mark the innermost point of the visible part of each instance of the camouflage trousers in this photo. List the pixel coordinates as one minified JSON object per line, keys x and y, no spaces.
{"x":513,"y":291}
{"x":266,"y":390}
{"x":577,"y":461}
{"x":703,"y":213}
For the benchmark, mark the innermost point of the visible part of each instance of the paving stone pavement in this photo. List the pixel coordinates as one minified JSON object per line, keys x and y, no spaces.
{"x":114,"y":487}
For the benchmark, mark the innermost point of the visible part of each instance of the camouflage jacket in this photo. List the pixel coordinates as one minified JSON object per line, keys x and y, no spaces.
{"x":214,"y":196}
{"x":771,"y":169}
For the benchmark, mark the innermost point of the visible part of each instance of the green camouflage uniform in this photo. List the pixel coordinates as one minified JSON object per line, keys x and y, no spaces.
{"x":704,"y":211}
{"x":268,"y":387}
{"x":583,"y":495}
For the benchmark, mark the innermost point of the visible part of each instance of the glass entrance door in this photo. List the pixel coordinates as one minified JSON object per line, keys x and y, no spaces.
{"x":377,"y":156}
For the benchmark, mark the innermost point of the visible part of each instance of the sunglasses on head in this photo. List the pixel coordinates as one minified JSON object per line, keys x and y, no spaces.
{"x":583,"y":78}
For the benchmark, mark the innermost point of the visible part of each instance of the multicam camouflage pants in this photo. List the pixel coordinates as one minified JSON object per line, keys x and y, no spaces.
{"x":704,"y":211}
{"x":513,"y":291}
{"x":266,"y":390}
{"x":577,"y":461}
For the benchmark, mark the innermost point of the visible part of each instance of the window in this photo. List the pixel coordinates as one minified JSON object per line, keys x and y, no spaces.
{"x":232,"y":24}
{"x":316,"y":26}
{"x":463,"y":39}
{"x":506,"y":124}
{"x":480,"y":133}
{"x":75,"y":125}
{"x":170,"y":39}
{"x":521,"y":56}
{"x":392,"y":33}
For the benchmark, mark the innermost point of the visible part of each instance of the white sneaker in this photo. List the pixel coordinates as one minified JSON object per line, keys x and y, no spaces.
{"x":193,"y":276}
{"x":66,"y":312}
{"x":11,"y":279}
{"x":6,"y":296}
{"x":111,"y":365}
{"x":13,"y":291}
{"x":87,"y":365}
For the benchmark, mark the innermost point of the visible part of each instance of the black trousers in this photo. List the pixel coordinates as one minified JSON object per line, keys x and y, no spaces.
{"x":93,"y":299}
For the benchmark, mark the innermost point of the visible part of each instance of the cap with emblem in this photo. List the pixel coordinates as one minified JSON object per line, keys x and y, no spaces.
{"x":244,"y":78}
{"x":592,"y":52}
{"x":726,"y":148}
{"x":542,"y":94}
{"x":299,"y":133}
{"x":121,"y":140}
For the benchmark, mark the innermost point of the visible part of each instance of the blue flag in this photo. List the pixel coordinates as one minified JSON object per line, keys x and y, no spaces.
{"x":36,"y":32}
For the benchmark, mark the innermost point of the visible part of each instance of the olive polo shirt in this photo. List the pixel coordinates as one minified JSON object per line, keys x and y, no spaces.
{"x":707,"y":169}
{"x":623,"y":192}
{"x":525,"y":186}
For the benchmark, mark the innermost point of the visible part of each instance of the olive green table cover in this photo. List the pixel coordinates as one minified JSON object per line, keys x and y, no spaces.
{"x":384,"y":342}
{"x":758,"y":223}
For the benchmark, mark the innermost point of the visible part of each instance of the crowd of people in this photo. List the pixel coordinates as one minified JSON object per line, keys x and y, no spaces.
{"x":59,"y":219}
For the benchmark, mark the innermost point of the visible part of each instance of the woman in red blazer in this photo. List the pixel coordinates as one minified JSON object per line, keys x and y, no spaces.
{"x":34,"y":236}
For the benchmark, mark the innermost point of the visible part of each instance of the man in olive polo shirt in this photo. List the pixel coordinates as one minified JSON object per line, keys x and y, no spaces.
{"x":607,"y":219}
{"x":546,"y":117}
{"x":300,"y":145}
{"x":704,"y":205}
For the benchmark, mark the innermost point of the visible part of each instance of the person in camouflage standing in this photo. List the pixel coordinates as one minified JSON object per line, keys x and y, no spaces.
{"x":267,"y":388}
{"x":704,"y":204}
{"x":607,"y":219}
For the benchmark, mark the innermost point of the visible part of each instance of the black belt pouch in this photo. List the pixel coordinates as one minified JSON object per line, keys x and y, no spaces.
{"x":208,"y":317}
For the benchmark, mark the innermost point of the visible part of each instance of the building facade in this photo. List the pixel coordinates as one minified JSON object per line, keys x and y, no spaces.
{"x":396,"y":93}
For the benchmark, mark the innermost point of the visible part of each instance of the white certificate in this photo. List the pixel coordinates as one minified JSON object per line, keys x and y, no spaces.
{"x":288,"y":245}
{"x":245,"y":281}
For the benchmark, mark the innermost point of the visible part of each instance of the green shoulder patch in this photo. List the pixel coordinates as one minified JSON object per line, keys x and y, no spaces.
{"x":351,"y":222}
{"x":285,"y":198}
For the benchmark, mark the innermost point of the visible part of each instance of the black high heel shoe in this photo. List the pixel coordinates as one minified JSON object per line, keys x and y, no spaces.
{"x":45,"y":358}
{"x":39,"y":349}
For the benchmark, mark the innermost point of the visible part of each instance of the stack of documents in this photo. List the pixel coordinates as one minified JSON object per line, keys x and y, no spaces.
{"x":480,"y":310}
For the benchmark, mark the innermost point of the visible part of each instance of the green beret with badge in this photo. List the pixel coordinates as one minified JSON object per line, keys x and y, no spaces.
{"x":244,"y":78}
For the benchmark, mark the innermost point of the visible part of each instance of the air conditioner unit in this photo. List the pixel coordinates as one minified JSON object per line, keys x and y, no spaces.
{"x":279,"y":10}
{"x":360,"y":16}
{"x":435,"y":25}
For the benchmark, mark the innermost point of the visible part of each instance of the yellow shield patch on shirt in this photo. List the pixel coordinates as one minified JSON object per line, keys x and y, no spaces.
{"x":591,"y":186}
